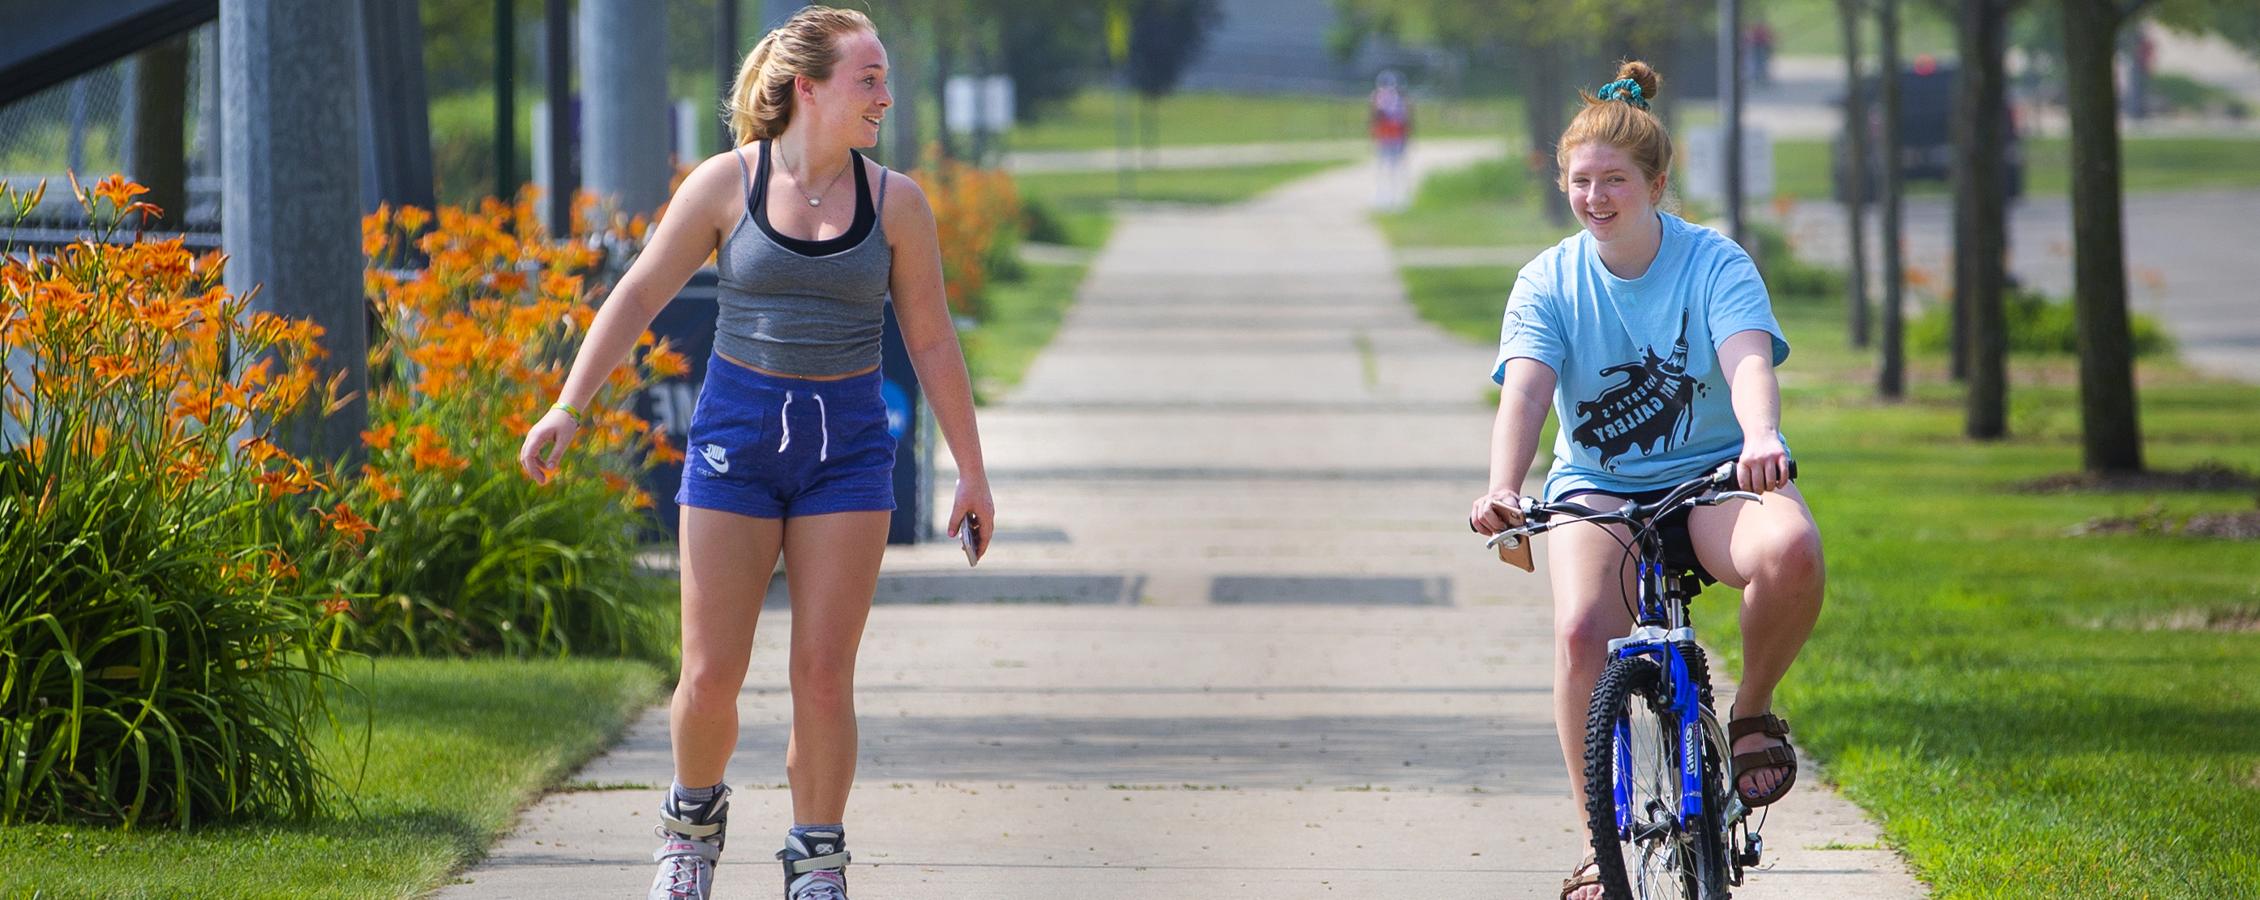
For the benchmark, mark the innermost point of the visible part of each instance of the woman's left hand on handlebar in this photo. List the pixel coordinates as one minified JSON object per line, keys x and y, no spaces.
{"x":1764,"y":465}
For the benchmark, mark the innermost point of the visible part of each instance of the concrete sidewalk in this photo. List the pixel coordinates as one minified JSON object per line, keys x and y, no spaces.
{"x":1270,"y":662}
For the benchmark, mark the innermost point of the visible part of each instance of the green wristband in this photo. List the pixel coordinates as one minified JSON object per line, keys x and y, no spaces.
{"x":571,"y":411}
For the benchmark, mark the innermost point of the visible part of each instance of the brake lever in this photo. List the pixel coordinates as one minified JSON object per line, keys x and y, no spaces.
{"x":1719,"y":497}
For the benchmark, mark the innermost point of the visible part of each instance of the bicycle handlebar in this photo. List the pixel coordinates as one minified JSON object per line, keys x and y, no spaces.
{"x":1537,"y":518}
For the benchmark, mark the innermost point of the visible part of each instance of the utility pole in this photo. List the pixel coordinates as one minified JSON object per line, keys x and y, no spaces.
{"x":1891,"y":373}
{"x":290,"y":193}
{"x":624,"y":133}
{"x":564,"y":155}
{"x":725,"y":67}
{"x":1730,"y":112}
{"x":505,"y":99}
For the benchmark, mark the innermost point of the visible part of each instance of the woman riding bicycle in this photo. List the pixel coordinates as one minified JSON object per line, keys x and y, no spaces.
{"x":1655,"y":341}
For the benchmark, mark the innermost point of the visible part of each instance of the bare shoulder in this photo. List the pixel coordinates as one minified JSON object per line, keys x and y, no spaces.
{"x":719,"y":176}
{"x":906,"y":205}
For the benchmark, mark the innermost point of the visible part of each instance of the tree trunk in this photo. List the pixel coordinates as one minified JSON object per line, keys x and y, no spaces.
{"x":1981,"y":176}
{"x":1542,"y":116}
{"x":1856,"y":171}
{"x":160,"y":143}
{"x":1891,"y":377}
{"x":2110,"y":439}
{"x":904,"y":143}
{"x":1730,"y":119}
{"x":944,"y":35}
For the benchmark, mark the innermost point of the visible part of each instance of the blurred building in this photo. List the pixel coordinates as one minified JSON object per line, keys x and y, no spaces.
{"x":1283,"y":46}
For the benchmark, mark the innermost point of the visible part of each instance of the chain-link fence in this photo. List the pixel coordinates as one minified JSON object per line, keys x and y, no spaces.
{"x":88,"y":126}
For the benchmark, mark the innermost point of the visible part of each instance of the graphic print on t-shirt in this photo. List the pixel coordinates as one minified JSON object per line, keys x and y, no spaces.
{"x":1648,"y":411}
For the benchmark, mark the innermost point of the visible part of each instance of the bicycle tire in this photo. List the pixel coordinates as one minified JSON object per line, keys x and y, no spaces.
{"x":1660,"y":860}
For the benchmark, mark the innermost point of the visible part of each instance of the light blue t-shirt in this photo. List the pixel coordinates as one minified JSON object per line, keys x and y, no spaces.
{"x":1639,"y":394}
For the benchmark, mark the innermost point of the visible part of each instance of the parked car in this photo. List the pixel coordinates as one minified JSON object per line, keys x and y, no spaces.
{"x":1926,"y":132}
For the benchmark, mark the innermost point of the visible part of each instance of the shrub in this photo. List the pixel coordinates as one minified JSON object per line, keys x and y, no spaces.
{"x":470,"y":556}
{"x":2036,"y":325}
{"x":160,"y":651}
{"x":1787,"y":277}
{"x":978,"y":215}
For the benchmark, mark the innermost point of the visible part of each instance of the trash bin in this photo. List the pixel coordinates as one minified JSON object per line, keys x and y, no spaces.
{"x":687,"y":324}
{"x":911,"y":424}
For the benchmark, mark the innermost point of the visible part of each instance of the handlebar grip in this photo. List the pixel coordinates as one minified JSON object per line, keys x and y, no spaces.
{"x":1728,"y":474}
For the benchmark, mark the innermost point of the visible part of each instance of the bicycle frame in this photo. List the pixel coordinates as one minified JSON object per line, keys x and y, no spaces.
{"x":1660,"y":632}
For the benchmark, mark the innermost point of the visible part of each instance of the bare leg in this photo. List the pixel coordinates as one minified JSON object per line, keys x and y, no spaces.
{"x":832,"y":567}
{"x":1589,"y":611}
{"x":726,"y":561}
{"x":1772,"y":551}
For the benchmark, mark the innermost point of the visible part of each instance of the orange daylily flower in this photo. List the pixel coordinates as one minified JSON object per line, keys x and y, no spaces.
{"x":380,"y":485}
{"x":430,"y":451}
{"x":348,"y":525}
{"x":118,"y":191}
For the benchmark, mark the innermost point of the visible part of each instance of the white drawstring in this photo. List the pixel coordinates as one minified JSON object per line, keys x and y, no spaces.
{"x":785,"y":416}
{"x":823,"y":427}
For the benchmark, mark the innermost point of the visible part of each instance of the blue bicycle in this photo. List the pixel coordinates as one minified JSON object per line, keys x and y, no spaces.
{"x":1656,"y":757}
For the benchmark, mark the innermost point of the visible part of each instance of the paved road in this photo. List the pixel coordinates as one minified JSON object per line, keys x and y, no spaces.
{"x":1272,"y":664}
{"x":2189,"y":260}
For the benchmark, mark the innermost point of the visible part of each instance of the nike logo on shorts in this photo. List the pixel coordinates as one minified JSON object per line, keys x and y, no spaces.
{"x":716,"y":458}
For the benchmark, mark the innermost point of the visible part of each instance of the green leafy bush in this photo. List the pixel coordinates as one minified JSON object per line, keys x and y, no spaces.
{"x":160,"y":649}
{"x":1787,"y":277}
{"x":2036,"y":325}
{"x":470,"y":556}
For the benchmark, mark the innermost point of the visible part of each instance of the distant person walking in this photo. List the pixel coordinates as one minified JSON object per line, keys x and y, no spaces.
{"x":789,"y":450}
{"x":1389,"y":118}
{"x":1761,"y":54}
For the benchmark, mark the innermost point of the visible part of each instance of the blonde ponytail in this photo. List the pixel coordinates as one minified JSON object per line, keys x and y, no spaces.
{"x":761,"y":100}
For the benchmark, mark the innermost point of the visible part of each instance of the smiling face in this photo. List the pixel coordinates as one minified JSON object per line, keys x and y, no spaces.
{"x":1609,"y":194}
{"x":850,"y":104}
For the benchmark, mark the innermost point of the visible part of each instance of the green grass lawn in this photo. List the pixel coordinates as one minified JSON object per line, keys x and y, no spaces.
{"x":1491,"y":204}
{"x":458,"y":747}
{"x":1083,"y":202}
{"x":1090,"y":120}
{"x":2029,"y":713}
{"x":1813,"y":27}
{"x":1018,"y":320}
{"x":1801,"y":167}
{"x":2017,"y":705}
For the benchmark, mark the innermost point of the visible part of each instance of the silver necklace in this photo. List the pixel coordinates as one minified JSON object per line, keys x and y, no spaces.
{"x":817,"y":200}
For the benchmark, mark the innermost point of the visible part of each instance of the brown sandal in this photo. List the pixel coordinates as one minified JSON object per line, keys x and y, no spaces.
{"x":1782,"y":756}
{"x":1587,"y":874}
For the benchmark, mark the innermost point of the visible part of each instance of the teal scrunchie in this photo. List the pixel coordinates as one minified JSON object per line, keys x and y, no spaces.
{"x":1625,"y":89}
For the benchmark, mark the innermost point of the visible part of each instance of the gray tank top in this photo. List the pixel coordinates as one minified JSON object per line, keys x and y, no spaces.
{"x":802,"y":307}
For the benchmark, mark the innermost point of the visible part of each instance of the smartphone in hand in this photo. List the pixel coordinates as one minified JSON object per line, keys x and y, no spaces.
{"x":969,"y":537}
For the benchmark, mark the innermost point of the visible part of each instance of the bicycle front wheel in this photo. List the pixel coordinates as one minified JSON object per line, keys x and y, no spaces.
{"x":1633,"y":791}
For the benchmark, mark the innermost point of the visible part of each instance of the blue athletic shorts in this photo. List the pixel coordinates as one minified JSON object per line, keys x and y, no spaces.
{"x":774,"y":447}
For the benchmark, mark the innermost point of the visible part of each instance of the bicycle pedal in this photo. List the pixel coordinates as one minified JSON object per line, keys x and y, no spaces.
{"x":1752,"y":848}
